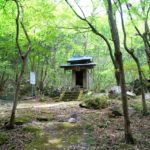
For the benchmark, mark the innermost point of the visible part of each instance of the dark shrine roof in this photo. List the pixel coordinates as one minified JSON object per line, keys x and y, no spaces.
{"x":79,"y":58}
{"x":78,"y":65}
{"x":82,"y":62}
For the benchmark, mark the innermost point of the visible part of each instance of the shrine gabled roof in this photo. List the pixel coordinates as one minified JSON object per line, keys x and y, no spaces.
{"x":87,"y":65}
{"x":79,"y":58}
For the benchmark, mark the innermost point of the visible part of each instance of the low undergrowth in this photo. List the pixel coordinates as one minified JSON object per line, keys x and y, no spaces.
{"x":32,"y":129}
{"x":3,"y":137}
{"x":95,"y":102}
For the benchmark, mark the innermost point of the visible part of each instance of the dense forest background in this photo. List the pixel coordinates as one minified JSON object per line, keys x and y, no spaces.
{"x":57,"y":34}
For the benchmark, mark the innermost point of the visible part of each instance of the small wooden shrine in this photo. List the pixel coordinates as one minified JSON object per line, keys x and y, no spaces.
{"x":80,"y":66}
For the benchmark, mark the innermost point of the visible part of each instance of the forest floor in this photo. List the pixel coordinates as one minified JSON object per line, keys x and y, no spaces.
{"x":46,"y":126}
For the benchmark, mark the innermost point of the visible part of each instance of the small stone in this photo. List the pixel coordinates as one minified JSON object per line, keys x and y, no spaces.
{"x":115,"y":112}
{"x":74,"y":116}
{"x":147,"y":96}
{"x":131,"y":94}
{"x":72,"y":120}
{"x":114,"y":92}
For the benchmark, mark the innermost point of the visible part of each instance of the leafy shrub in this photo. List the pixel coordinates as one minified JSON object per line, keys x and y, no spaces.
{"x":96,"y":102}
{"x":137,"y":106}
{"x":42,"y":99}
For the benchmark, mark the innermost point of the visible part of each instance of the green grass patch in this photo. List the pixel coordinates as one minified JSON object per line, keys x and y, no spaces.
{"x":22,"y":119}
{"x":3,"y":138}
{"x":31,"y":128}
{"x":37,"y":141}
{"x":125,"y":146}
{"x":89,"y":127}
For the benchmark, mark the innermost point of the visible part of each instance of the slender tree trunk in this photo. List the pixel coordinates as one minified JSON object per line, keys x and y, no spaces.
{"x":23,"y":58}
{"x":17,"y":89}
{"x":142,"y":88}
{"x":147,"y":51}
{"x":128,"y":134}
{"x":117,"y":76}
{"x":118,"y":56}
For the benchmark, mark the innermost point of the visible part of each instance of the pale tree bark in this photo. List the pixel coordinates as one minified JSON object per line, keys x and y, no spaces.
{"x":23,"y":57}
{"x":118,"y":55}
{"x":135,"y":58}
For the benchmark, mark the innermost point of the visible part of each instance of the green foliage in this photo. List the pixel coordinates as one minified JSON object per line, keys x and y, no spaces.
{"x":96,"y":102}
{"x":57,"y":34}
{"x":3,"y":137}
{"x":137,"y":106}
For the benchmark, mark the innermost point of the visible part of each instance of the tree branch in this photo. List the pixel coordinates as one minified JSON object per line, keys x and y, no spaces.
{"x":136,"y":28}
{"x":94,"y":30}
{"x":17,"y":28}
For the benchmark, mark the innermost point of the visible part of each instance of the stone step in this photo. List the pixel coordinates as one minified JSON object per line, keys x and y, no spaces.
{"x":68,"y":96}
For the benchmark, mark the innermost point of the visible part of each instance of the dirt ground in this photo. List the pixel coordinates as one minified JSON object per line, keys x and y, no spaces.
{"x":46,"y":126}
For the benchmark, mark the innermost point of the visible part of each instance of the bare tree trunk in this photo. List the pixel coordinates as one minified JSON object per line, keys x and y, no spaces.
{"x":18,"y":82}
{"x":142,"y":88}
{"x":118,"y":56}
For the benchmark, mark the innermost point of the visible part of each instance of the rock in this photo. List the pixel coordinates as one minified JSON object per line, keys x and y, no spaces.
{"x":115,"y":112}
{"x":74,"y":116}
{"x":18,"y":123}
{"x":147,"y":96}
{"x":114,"y":92}
{"x":136,"y":86}
{"x":82,"y":105}
{"x":42,"y":118}
{"x":132,"y":111}
{"x":131,"y":94}
{"x":116,"y":89}
{"x":72,"y":120}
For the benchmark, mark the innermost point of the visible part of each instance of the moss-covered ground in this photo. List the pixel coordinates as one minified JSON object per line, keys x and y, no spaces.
{"x":93,"y":129}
